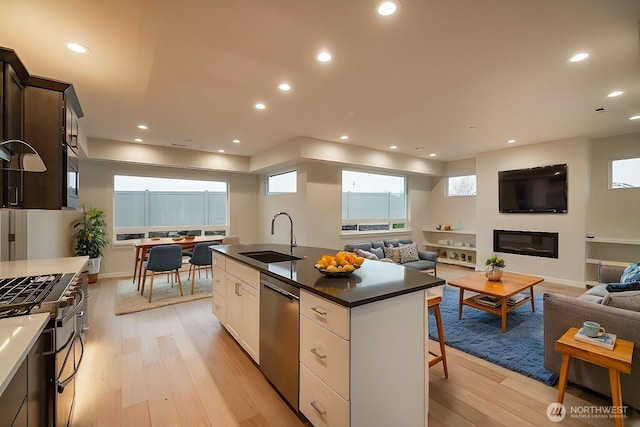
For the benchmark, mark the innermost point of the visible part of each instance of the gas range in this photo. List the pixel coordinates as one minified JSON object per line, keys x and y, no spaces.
{"x":37,"y":294}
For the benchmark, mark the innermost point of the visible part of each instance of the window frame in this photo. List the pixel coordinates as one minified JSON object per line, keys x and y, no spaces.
{"x":359,"y":226}
{"x":146,"y":230}
{"x":448,"y":186}
{"x":280,"y":174}
{"x":611,"y":168}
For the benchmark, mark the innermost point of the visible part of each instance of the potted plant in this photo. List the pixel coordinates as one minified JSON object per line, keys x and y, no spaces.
{"x":495,"y":268}
{"x":90,"y":238}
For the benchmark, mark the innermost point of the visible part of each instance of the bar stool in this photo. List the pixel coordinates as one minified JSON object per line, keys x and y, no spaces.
{"x":433,"y":303}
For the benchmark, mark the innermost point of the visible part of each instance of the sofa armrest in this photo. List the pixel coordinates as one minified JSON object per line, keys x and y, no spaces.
{"x":428,"y":256}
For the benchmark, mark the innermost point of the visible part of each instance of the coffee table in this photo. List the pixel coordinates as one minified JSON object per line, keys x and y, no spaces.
{"x":510,"y":285}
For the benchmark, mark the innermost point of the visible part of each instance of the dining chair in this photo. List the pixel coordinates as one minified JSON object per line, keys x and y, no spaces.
{"x":201,"y":258}
{"x":230,"y":240}
{"x":162,"y":259}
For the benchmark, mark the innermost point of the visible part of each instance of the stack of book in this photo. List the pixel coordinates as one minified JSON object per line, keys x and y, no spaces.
{"x":488,"y":300}
{"x":605,"y":340}
{"x":513,"y":300}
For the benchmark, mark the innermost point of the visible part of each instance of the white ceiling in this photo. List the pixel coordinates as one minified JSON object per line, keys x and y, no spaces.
{"x":452,"y":77}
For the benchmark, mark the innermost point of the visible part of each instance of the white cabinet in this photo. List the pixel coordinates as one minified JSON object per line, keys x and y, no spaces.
{"x":236,"y":301}
{"x":365,"y":365}
{"x":453,"y":246}
{"x":324,"y":361}
{"x":219,"y":294}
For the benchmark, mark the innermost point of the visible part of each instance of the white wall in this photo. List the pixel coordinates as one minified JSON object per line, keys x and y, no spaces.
{"x":570,"y":266}
{"x":96,"y":190}
{"x":613,"y":213}
{"x":317,"y":208}
{"x":460,"y":212}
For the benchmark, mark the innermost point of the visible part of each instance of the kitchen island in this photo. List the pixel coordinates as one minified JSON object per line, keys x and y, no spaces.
{"x":363,"y":338}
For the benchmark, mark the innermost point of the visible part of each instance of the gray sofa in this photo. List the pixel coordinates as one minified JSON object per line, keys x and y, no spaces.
{"x":617,"y":312}
{"x":427,"y":260}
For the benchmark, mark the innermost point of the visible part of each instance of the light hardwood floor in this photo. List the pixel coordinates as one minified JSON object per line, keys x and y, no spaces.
{"x":177,"y":366}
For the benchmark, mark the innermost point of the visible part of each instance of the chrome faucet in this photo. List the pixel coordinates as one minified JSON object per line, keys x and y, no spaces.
{"x":292,"y":243}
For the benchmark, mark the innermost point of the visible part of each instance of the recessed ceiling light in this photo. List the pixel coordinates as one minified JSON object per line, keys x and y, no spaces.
{"x":387,"y":8}
{"x":77,"y":47}
{"x":511,"y":141}
{"x":579,"y":57}
{"x":220,"y":151}
{"x":236,"y":141}
{"x":138,"y":140}
{"x":344,"y":137}
{"x":260,"y":106}
{"x":393,"y":147}
{"x":432,"y":155}
{"x":285,"y":87}
{"x":634,"y":118}
{"x":145,"y":127}
{"x":615,"y":93}
{"x":324,"y":56}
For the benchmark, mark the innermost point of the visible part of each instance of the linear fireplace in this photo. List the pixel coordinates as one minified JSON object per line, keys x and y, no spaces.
{"x":533,"y":243}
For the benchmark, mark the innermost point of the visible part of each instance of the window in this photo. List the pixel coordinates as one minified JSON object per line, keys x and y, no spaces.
{"x":625,"y":173}
{"x":161,"y":207}
{"x":461,"y":185}
{"x":282,"y":183}
{"x":373,"y":202}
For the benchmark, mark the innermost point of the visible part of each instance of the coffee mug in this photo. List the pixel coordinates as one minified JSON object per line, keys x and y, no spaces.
{"x":592,"y":329}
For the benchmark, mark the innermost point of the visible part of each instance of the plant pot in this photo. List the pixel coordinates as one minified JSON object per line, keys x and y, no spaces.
{"x":93,"y":267}
{"x":493,"y":273}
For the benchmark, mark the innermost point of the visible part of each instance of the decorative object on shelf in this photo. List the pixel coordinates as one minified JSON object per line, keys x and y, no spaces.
{"x":90,"y":238}
{"x":495,"y":268}
{"x":453,"y":255}
{"x":463,"y":257}
{"x":447,"y":227}
{"x":470,"y":258}
{"x":439,"y":227}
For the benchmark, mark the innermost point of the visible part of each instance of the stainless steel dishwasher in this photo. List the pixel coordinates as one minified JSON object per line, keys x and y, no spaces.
{"x":280,"y":336}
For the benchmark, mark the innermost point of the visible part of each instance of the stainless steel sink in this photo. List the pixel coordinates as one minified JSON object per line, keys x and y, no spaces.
{"x":270,"y":256}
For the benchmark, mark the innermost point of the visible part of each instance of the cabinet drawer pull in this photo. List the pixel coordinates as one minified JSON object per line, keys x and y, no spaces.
{"x":318,"y":354}
{"x":318,"y":408}
{"x":319,"y":311}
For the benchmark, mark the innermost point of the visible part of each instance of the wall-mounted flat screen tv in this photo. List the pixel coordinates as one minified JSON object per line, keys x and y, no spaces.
{"x":534,"y":190}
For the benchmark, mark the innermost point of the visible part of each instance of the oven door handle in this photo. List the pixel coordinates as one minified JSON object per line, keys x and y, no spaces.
{"x":61,"y":384}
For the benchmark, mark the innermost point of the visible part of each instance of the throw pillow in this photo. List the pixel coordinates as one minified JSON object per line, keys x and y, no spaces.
{"x":409,"y":253}
{"x":366,"y":254}
{"x":631,"y":273}
{"x":393,"y":253}
{"x":626,"y":300}
{"x":623,"y":287}
{"x":379,"y":252}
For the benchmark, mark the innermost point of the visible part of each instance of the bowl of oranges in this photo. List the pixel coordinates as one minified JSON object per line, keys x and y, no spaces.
{"x":341,"y":264}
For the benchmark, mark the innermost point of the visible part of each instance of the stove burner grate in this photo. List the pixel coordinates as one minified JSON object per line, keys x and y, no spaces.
{"x":19,"y":295}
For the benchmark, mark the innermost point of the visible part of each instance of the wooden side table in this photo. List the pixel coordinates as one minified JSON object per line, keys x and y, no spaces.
{"x":616,"y":360}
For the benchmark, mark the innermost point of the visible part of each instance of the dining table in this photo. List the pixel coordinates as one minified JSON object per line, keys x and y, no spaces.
{"x":144,"y":245}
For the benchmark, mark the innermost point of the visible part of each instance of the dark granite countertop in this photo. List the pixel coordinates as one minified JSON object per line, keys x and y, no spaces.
{"x":374,"y":281}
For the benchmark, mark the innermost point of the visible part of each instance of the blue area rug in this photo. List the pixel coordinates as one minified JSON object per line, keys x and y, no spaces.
{"x":479,"y":333}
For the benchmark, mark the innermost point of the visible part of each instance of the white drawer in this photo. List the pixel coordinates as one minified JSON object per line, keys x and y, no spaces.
{"x":247,"y":274}
{"x":326,"y":313}
{"x":321,"y":405}
{"x":326,"y":355}
{"x":219,"y":281}
{"x":219,"y":307}
{"x":219,"y":259}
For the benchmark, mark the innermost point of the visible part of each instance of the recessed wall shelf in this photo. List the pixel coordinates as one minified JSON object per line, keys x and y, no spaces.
{"x":445,"y":250}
